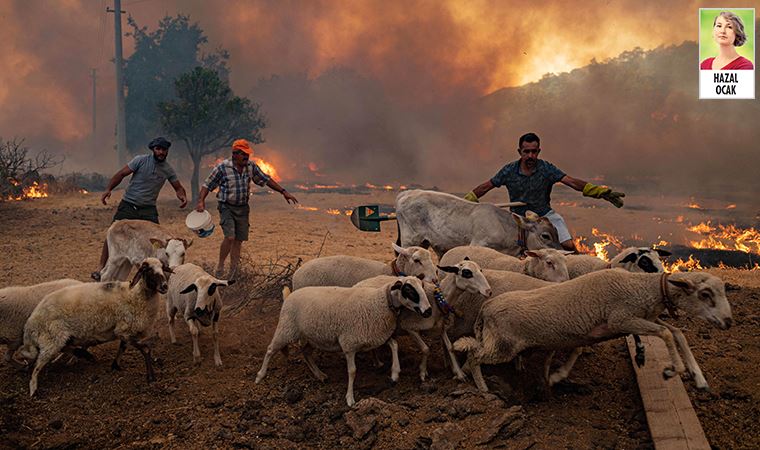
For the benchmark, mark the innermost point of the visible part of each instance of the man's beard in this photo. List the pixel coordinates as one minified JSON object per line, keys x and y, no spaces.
{"x":159,"y":159}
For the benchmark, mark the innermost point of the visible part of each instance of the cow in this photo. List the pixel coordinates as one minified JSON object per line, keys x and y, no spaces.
{"x":444,"y":221}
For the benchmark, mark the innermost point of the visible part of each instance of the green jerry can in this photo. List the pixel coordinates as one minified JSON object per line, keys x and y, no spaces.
{"x":368,"y":217}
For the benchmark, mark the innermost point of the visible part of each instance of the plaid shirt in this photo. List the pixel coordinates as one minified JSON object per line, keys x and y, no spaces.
{"x":233,"y":185}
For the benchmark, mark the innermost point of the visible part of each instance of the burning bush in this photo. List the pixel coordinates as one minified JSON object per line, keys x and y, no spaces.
{"x":20,"y":173}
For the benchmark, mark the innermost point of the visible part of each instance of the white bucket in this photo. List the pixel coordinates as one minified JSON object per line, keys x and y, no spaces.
{"x":200,"y":223}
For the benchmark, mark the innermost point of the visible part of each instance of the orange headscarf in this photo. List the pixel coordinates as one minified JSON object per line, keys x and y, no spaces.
{"x":243,"y":146}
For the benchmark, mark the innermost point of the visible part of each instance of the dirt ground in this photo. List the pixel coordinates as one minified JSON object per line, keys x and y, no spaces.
{"x":86,"y":405}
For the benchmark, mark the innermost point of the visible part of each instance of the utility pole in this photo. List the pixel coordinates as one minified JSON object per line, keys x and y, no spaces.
{"x":94,"y":103}
{"x":121,"y":122}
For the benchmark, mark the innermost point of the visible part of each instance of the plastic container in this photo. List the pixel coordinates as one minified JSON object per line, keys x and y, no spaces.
{"x":200,"y":223}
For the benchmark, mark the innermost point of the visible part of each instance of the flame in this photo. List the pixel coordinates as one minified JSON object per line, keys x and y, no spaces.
{"x":693,"y":205}
{"x":307,"y":208}
{"x":83,"y":191}
{"x":731,"y":206}
{"x":600,"y":248}
{"x":34,"y":190}
{"x":680,"y":265}
{"x":726,"y":237}
{"x":580,"y":245}
{"x":266,"y":167}
{"x":335,"y":212}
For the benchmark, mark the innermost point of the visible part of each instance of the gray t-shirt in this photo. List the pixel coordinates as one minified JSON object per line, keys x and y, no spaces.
{"x":535,"y":190}
{"x":147,"y":180}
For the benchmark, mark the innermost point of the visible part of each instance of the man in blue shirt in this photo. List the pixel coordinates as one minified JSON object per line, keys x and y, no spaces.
{"x":530,"y":180}
{"x":149,"y":173}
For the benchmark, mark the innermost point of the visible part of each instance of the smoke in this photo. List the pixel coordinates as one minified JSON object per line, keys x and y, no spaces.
{"x":400,"y":91}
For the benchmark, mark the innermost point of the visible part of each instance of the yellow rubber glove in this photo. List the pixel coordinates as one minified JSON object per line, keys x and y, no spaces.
{"x":592,"y":190}
{"x":471,"y":197}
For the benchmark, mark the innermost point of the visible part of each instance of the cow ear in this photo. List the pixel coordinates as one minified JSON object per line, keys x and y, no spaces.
{"x":449,"y":269}
{"x":629,"y":259}
{"x":520,"y":221}
{"x":467,"y":258}
{"x":662,"y":252}
{"x":187,"y":242}
{"x":189,"y":289}
{"x":212,"y":289}
{"x":531,"y":216}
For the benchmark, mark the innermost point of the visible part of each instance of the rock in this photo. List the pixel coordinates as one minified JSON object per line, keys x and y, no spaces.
{"x":359,"y":424}
{"x":604,"y":439}
{"x":446,"y":437}
{"x":251,"y":410}
{"x":295,"y":433}
{"x":56,"y":424}
{"x":224,"y":434}
{"x":492,"y":429}
{"x":403,"y":421}
{"x":293,"y":395}
{"x":428,"y":388}
{"x":215,"y":403}
{"x":423,"y":443}
{"x":116,"y":432}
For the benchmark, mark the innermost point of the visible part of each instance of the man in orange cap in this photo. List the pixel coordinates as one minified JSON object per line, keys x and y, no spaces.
{"x":233,"y":177}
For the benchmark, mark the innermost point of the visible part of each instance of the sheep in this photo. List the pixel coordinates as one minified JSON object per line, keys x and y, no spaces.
{"x":593,"y":308}
{"x":345,"y":319}
{"x":466,"y":276}
{"x":16,"y":305}
{"x":632,"y":259}
{"x":195,"y":293}
{"x":131,"y":241}
{"x":93,"y":313}
{"x":346,"y":271}
{"x":545,"y":264}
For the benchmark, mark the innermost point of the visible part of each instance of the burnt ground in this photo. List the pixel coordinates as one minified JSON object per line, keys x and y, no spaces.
{"x":86,"y":405}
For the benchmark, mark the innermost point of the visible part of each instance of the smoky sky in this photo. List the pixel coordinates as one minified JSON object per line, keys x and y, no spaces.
{"x":395,"y":91}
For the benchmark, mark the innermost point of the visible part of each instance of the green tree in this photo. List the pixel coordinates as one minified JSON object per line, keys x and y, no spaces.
{"x":207,"y":117}
{"x":160,"y":57}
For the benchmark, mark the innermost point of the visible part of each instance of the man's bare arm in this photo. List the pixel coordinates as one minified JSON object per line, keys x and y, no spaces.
{"x":115,"y":180}
{"x":575,"y":183}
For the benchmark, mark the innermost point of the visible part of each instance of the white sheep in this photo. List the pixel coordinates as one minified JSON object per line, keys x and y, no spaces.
{"x":343,"y":319}
{"x":591,"y":309}
{"x":346,"y":271}
{"x":131,"y":241}
{"x":545,"y":264}
{"x":93,"y":313}
{"x":16,"y":305}
{"x":632,"y":259}
{"x":195,"y":293}
{"x":465,"y":277}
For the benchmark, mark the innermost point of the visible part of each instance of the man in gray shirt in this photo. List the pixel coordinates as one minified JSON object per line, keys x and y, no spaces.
{"x":530,"y":180}
{"x":149,"y":172}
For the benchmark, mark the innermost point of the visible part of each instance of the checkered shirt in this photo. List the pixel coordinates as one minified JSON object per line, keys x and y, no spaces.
{"x":234,"y":187}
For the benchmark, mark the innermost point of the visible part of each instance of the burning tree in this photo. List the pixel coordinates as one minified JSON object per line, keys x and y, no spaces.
{"x":19,"y":171}
{"x":207,"y":116}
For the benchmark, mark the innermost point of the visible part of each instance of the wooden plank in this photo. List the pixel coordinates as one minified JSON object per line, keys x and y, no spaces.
{"x":673,"y":424}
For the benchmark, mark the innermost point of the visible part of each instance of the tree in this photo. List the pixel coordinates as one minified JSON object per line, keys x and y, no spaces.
{"x":18,"y":169}
{"x":160,"y":57}
{"x":207,"y":116}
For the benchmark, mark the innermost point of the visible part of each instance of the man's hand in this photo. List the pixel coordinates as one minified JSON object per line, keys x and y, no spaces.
{"x":106,"y":195}
{"x":289,"y":197}
{"x":603,"y":192}
{"x":470,"y":196}
{"x":200,"y":206}
{"x":182,"y":200}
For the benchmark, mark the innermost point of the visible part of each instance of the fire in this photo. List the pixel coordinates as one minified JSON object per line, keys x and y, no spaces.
{"x":334,"y":212}
{"x":726,"y":237}
{"x":693,"y":205}
{"x":600,"y":248}
{"x":731,"y":206}
{"x":680,"y":265}
{"x":386,"y":187}
{"x":266,"y":167}
{"x":580,"y":245}
{"x":307,"y":208}
{"x":84,"y":191}
{"x":34,"y":190}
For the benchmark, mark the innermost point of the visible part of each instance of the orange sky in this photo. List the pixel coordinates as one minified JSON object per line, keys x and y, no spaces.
{"x":421,"y":51}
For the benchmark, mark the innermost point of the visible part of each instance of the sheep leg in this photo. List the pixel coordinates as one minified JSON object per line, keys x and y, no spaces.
{"x":308,"y":356}
{"x":646,"y":328}
{"x":215,"y":337}
{"x":691,"y":362}
{"x":115,"y":363}
{"x":170,"y":313}
{"x":46,"y":354}
{"x":564,"y":370}
{"x":425,"y":352}
{"x":194,"y":331}
{"x":458,"y":374}
{"x":547,"y":366}
{"x":145,"y":350}
{"x":275,"y":346}
{"x":477,"y":375}
{"x":351,"y":364}
{"x":395,"y":364}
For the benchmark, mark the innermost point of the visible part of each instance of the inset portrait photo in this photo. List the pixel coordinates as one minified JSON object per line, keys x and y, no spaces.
{"x":726,"y":39}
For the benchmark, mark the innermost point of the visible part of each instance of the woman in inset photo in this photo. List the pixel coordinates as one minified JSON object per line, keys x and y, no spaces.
{"x":728,"y":32}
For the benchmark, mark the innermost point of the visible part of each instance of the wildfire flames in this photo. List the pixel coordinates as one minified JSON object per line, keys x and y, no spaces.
{"x":331,"y":211}
{"x":716,"y":237}
{"x":266,"y":167}
{"x":34,"y":190}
